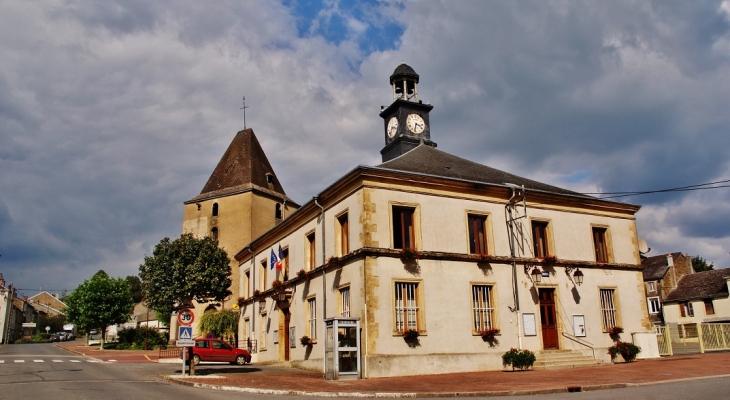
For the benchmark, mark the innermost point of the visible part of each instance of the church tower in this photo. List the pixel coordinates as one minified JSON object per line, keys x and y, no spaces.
{"x":242,"y":199}
{"x":406,"y":120}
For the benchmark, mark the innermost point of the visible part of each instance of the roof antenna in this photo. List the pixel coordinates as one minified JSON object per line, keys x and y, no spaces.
{"x":244,"y":112}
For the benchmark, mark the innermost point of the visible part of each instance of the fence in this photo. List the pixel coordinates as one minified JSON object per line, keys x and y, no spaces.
{"x":675,"y":339}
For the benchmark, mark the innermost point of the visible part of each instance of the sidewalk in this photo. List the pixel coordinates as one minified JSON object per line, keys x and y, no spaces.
{"x":272,"y":380}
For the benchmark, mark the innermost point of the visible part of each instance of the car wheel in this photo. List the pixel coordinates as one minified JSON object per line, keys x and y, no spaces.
{"x":240,"y":360}
{"x":196,"y":359}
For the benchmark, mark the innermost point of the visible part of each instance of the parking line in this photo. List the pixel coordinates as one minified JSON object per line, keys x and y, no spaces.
{"x":19,"y":361}
{"x":57,"y":360}
{"x":38,"y":361}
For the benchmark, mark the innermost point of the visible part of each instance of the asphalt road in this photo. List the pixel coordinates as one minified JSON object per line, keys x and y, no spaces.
{"x":46,"y":371}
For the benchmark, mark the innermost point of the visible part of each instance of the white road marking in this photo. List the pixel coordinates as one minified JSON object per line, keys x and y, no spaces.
{"x":57,"y":360}
{"x":38,"y":361}
{"x":19,"y":361}
{"x":75,"y":360}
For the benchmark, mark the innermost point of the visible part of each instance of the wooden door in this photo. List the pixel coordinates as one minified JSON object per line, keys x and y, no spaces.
{"x":548,"y":319}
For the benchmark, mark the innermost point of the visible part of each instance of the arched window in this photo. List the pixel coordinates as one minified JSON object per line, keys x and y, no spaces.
{"x":215,"y":209}
{"x":214,"y":233}
{"x":277,"y":213}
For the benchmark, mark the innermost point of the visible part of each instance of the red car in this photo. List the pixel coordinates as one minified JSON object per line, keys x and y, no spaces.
{"x":218,"y":350}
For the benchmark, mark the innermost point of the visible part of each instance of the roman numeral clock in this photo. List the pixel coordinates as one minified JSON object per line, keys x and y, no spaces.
{"x":406,"y":119}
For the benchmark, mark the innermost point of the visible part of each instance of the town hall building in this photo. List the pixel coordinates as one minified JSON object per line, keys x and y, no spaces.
{"x":444,"y":263}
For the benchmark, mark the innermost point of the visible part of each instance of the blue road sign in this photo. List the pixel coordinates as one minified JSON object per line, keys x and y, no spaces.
{"x":185,"y":333}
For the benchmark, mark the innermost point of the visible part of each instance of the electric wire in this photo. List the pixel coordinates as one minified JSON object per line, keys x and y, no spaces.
{"x":700,"y":186}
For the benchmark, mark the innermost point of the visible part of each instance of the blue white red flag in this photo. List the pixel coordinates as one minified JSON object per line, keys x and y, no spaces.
{"x":281,"y":257}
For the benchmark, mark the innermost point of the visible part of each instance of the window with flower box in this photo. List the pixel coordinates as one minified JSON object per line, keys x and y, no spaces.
{"x":311,"y":330}
{"x":408,"y":308}
{"x":540,"y":242}
{"x":404,"y":227}
{"x":482,"y":308}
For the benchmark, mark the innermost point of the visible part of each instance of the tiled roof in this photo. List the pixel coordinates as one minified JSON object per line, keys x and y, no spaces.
{"x":430,"y":161}
{"x":701,"y":285}
{"x":655,"y":267}
{"x":244,"y":166}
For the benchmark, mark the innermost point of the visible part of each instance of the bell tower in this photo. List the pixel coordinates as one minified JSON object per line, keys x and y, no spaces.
{"x":406,"y":120}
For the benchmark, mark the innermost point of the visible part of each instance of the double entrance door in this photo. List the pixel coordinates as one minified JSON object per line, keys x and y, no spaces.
{"x":548,"y":319}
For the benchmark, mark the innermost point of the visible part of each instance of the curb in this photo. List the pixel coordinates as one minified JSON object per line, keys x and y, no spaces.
{"x":488,"y":393}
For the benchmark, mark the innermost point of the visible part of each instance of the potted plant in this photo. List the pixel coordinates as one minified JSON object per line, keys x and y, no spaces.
{"x":334,"y":262}
{"x":520,"y":359}
{"x":490,"y":335}
{"x":277,"y":285}
{"x":615,"y":332}
{"x":305,"y":340}
{"x":627,"y":350}
{"x":482,"y":258}
{"x":549,"y":259}
{"x":410,"y":334}
{"x":240,"y":301}
{"x":257,"y":293}
{"x":302,"y":274}
{"x":409,"y":254}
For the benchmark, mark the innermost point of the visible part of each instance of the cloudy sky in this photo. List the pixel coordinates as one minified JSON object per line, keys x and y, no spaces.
{"x":114,"y":113}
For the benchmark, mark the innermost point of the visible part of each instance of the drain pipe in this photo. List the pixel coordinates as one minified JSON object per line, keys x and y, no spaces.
{"x":515,"y":286}
{"x":253,"y":277}
{"x":324,"y":270}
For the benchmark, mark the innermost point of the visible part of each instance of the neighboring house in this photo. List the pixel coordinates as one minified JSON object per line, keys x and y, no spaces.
{"x":661,"y":274}
{"x":699,"y":297}
{"x":142,"y":316}
{"x":47,"y":304}
{"x":7,"y":294}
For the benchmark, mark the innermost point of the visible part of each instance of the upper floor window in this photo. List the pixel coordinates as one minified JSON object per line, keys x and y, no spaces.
{"x":709,"y":307}
{"x":654,"y":307}
{"x":652,"y":287}
{"x":477,"y":234}
{"x":247,"y":284}
{"x":277,"y":212}
{"x":214,"y":233}
{"x":310,"y":251}
{"x":262,"y":276}
{"x":343,"y":235}
{"x":540,"y":239}
{"x":599,"y":245}
{"x":404,"y":232}
{"x":686,"y":309}
{"x":215,"y":209}
{"x":283,"y":275}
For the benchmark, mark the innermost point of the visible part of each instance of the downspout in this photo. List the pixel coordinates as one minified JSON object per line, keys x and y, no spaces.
{"x":515,"y":286}
{"x":324,"y":284}
{"x":253,"y":275}
{"x":324,"y":270}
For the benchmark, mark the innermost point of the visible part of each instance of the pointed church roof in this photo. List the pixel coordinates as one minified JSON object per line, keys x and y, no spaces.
{"x":430,"y":161}
{"x":243,"y":167}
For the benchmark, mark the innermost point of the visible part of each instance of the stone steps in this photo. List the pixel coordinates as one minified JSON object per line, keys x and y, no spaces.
{"x":560,"y":359}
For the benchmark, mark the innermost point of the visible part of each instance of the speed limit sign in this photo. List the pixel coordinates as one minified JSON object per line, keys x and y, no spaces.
{"x":185,"y":317}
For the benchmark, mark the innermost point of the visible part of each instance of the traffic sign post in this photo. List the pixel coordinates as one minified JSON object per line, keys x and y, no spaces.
{"x":186,"y":317}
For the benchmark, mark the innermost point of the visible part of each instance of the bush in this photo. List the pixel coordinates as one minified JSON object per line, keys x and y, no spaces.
{"x":520,"y":359}
{"x":627,"y":350}
{"x":410,"y":334}
{"x":134,"y":338}
{"x":305,"y":341}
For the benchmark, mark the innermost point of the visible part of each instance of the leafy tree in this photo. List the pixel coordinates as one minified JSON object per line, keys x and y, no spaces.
{"x":99,"y":302}
{"x":182,"y":270}
{"x":220,"y":324}
{"x":136,"y":284}
{"x":55,"y":322}
{"x":700,"y":265}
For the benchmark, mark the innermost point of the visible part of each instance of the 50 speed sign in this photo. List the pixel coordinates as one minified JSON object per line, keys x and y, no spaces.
{"x":185,"y":317}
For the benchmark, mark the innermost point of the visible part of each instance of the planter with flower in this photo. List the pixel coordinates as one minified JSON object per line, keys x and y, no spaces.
{"x":615,"y":332}
{"x":483,"y":258}
{"x":334,"y":262}
{"x":519,"y":359}
{"x":489,"y":335}
{"x":627,"y":350}
{"x":277,"y":285}
{"x":410,"y":334}
{"x":305,"y":340}
{"x":302,"y":275}
{"x":409,"y":254}
{"x":241,"y":301}
{"x":549,"y":259}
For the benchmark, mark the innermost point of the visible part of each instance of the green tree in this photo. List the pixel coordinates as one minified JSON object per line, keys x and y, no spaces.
{"x":699,"y":264}
{"x":136,"y":284}
{"x":99,"y":302}
{"x":183,"y":270}
{"x":220,"y":324}
{"x":54,"y":321}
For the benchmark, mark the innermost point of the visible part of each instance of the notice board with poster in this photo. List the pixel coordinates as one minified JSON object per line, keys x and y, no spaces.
{"x":528,"y":324}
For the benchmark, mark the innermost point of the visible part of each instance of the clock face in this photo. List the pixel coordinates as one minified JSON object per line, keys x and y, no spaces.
{"x":392,"y":127}
{"x":415,"y":123}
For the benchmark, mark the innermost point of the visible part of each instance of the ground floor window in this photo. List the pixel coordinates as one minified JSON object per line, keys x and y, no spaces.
{"x":407,"y":307}
{"x":608,"y":309}
{"x":482,"y":308}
